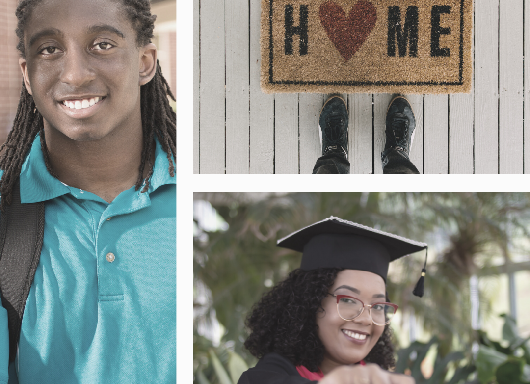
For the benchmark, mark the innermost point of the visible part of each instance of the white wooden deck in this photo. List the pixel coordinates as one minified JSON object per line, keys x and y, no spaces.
{"x":239,"y":129}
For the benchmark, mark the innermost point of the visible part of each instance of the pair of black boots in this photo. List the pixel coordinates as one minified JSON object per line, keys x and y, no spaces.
{"x":400,"y":126}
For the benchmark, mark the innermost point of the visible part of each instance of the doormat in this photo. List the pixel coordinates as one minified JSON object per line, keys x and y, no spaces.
{"x":347,"y":46}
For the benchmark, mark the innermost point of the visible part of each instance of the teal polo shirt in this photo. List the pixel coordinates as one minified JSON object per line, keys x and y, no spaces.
{"x":102,"y":306}
{"x":4,"y":346}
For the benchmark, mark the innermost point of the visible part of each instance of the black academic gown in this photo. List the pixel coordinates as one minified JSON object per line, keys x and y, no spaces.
{"x":273,"y":369}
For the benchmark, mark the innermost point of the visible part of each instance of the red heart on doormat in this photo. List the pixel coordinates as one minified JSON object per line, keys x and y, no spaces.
{"x":348,"y":34}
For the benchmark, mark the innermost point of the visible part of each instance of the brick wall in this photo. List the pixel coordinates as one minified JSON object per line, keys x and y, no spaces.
{"x":166,"y":39}
{"x":173,"y":61}
{"x":167,"y":55}
{"x":11,"y":78}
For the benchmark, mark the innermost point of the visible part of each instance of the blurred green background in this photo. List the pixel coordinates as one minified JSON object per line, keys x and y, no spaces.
{"x":478,"y":269}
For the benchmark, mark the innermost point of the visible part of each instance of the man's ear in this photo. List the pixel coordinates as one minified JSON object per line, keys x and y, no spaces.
{"x":24,"y":68}
{"x":148,"y":63}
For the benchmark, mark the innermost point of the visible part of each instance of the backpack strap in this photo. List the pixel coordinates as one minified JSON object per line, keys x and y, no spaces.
{"x":21,"y":237}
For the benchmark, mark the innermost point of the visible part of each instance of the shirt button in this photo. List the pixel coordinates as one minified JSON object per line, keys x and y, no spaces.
{"x":110,"y":257}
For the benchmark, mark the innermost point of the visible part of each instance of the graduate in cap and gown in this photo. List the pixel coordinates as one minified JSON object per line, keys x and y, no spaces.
{"x":329,"y":320}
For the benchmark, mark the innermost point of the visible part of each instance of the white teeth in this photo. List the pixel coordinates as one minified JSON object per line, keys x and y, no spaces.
{"x":81,"y":104}
{"x":357,"y":336}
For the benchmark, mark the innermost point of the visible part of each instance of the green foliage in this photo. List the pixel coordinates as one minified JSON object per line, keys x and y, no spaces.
{"x":411,"y":358}
{"x":220,"y":374}
{"x":512,"y":372}
{"x":500,"y":364}
{"x":236,"y":366}
{"x":487,"y":361}
{"x":201,"y":378}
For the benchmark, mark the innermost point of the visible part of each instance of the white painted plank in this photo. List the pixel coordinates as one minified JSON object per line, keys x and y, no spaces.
{"x":436,"y":133}
{"x":381,"y":102}
{"x":511,"y":87}
{"x":461,"y":130}
{"x":212,"y":113}
{"x":461,"y":134}
{"x":237,"y":86}
{"x":416,"y":149}
{"x":196,"y":80}
{"x":309,"y":105}
{"x":286,"y":133}
{"x":360,"y":132}
{"x":261,"y":104}
{"x":486,"y":86}
{"x":527,"y":90}
{"x":345,"y":97}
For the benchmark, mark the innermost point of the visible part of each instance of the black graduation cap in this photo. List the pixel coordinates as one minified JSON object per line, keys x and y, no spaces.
{"x":338,"y":243}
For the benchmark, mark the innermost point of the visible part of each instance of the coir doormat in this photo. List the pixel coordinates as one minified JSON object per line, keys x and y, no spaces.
{"x":405,"y":46}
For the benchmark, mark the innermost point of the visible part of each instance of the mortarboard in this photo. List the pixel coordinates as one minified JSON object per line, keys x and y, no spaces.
{"x":338,"y":243}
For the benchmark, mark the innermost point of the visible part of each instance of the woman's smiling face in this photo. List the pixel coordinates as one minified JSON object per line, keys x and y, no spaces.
{"x":339,"y":336}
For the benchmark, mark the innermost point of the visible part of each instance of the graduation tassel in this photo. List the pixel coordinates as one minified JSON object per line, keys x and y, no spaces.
{"x":420,"y":285}
{"x":418,"y":290}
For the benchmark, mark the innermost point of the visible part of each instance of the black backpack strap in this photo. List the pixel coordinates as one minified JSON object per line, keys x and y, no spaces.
{"x":21,"y":236}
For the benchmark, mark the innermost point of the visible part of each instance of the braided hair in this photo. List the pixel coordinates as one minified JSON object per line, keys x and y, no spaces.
{"x":157,"y":115}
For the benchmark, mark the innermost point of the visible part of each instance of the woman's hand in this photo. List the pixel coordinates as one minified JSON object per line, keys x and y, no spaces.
{"x":369,"y":374}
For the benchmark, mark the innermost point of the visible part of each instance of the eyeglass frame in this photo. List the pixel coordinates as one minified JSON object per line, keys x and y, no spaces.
{"x":395,"y":306}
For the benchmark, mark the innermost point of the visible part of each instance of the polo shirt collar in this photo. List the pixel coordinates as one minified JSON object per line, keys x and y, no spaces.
{"x":161,"y":174}
{"x":37,"y":184}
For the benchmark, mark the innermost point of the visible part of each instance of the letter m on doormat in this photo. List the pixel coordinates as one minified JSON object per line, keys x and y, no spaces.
{"x":407,"y":46}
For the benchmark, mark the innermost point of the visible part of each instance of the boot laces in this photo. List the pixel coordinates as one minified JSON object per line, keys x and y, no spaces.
{"x":400,"y":128}
{"x":334,"y":130}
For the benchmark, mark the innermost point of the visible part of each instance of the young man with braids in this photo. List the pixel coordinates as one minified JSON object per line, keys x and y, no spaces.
{"x":94,"y":139}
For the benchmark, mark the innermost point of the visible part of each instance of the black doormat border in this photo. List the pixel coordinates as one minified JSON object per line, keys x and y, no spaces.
{"x":365,"y":83}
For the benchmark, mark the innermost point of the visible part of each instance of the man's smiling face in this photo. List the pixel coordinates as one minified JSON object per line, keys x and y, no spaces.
{"x":83,"y":68}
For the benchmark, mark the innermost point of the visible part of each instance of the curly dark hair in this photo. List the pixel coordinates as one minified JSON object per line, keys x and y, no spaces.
{"x":284,"y":321}
{"x":158,"y":118}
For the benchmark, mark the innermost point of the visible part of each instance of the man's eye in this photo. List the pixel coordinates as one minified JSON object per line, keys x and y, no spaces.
{"x":49,"y":51}
{"x":103,"y":46}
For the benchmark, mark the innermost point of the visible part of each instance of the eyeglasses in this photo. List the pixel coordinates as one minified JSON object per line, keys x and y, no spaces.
{"x":350,"y":308}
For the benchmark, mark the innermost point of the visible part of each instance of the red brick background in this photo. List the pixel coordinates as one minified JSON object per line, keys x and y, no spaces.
{"x":166,"y":39}
{"x":166,"y":42}
{"x":11,"y":78}
{"x":173,"y":62}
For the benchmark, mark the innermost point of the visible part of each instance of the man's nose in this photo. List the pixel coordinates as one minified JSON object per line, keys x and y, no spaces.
{"x":77,"y":70}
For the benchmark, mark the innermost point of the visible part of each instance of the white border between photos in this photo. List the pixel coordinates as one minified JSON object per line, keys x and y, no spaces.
{"x":184,"y":191}
{"x":360,"y":183}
